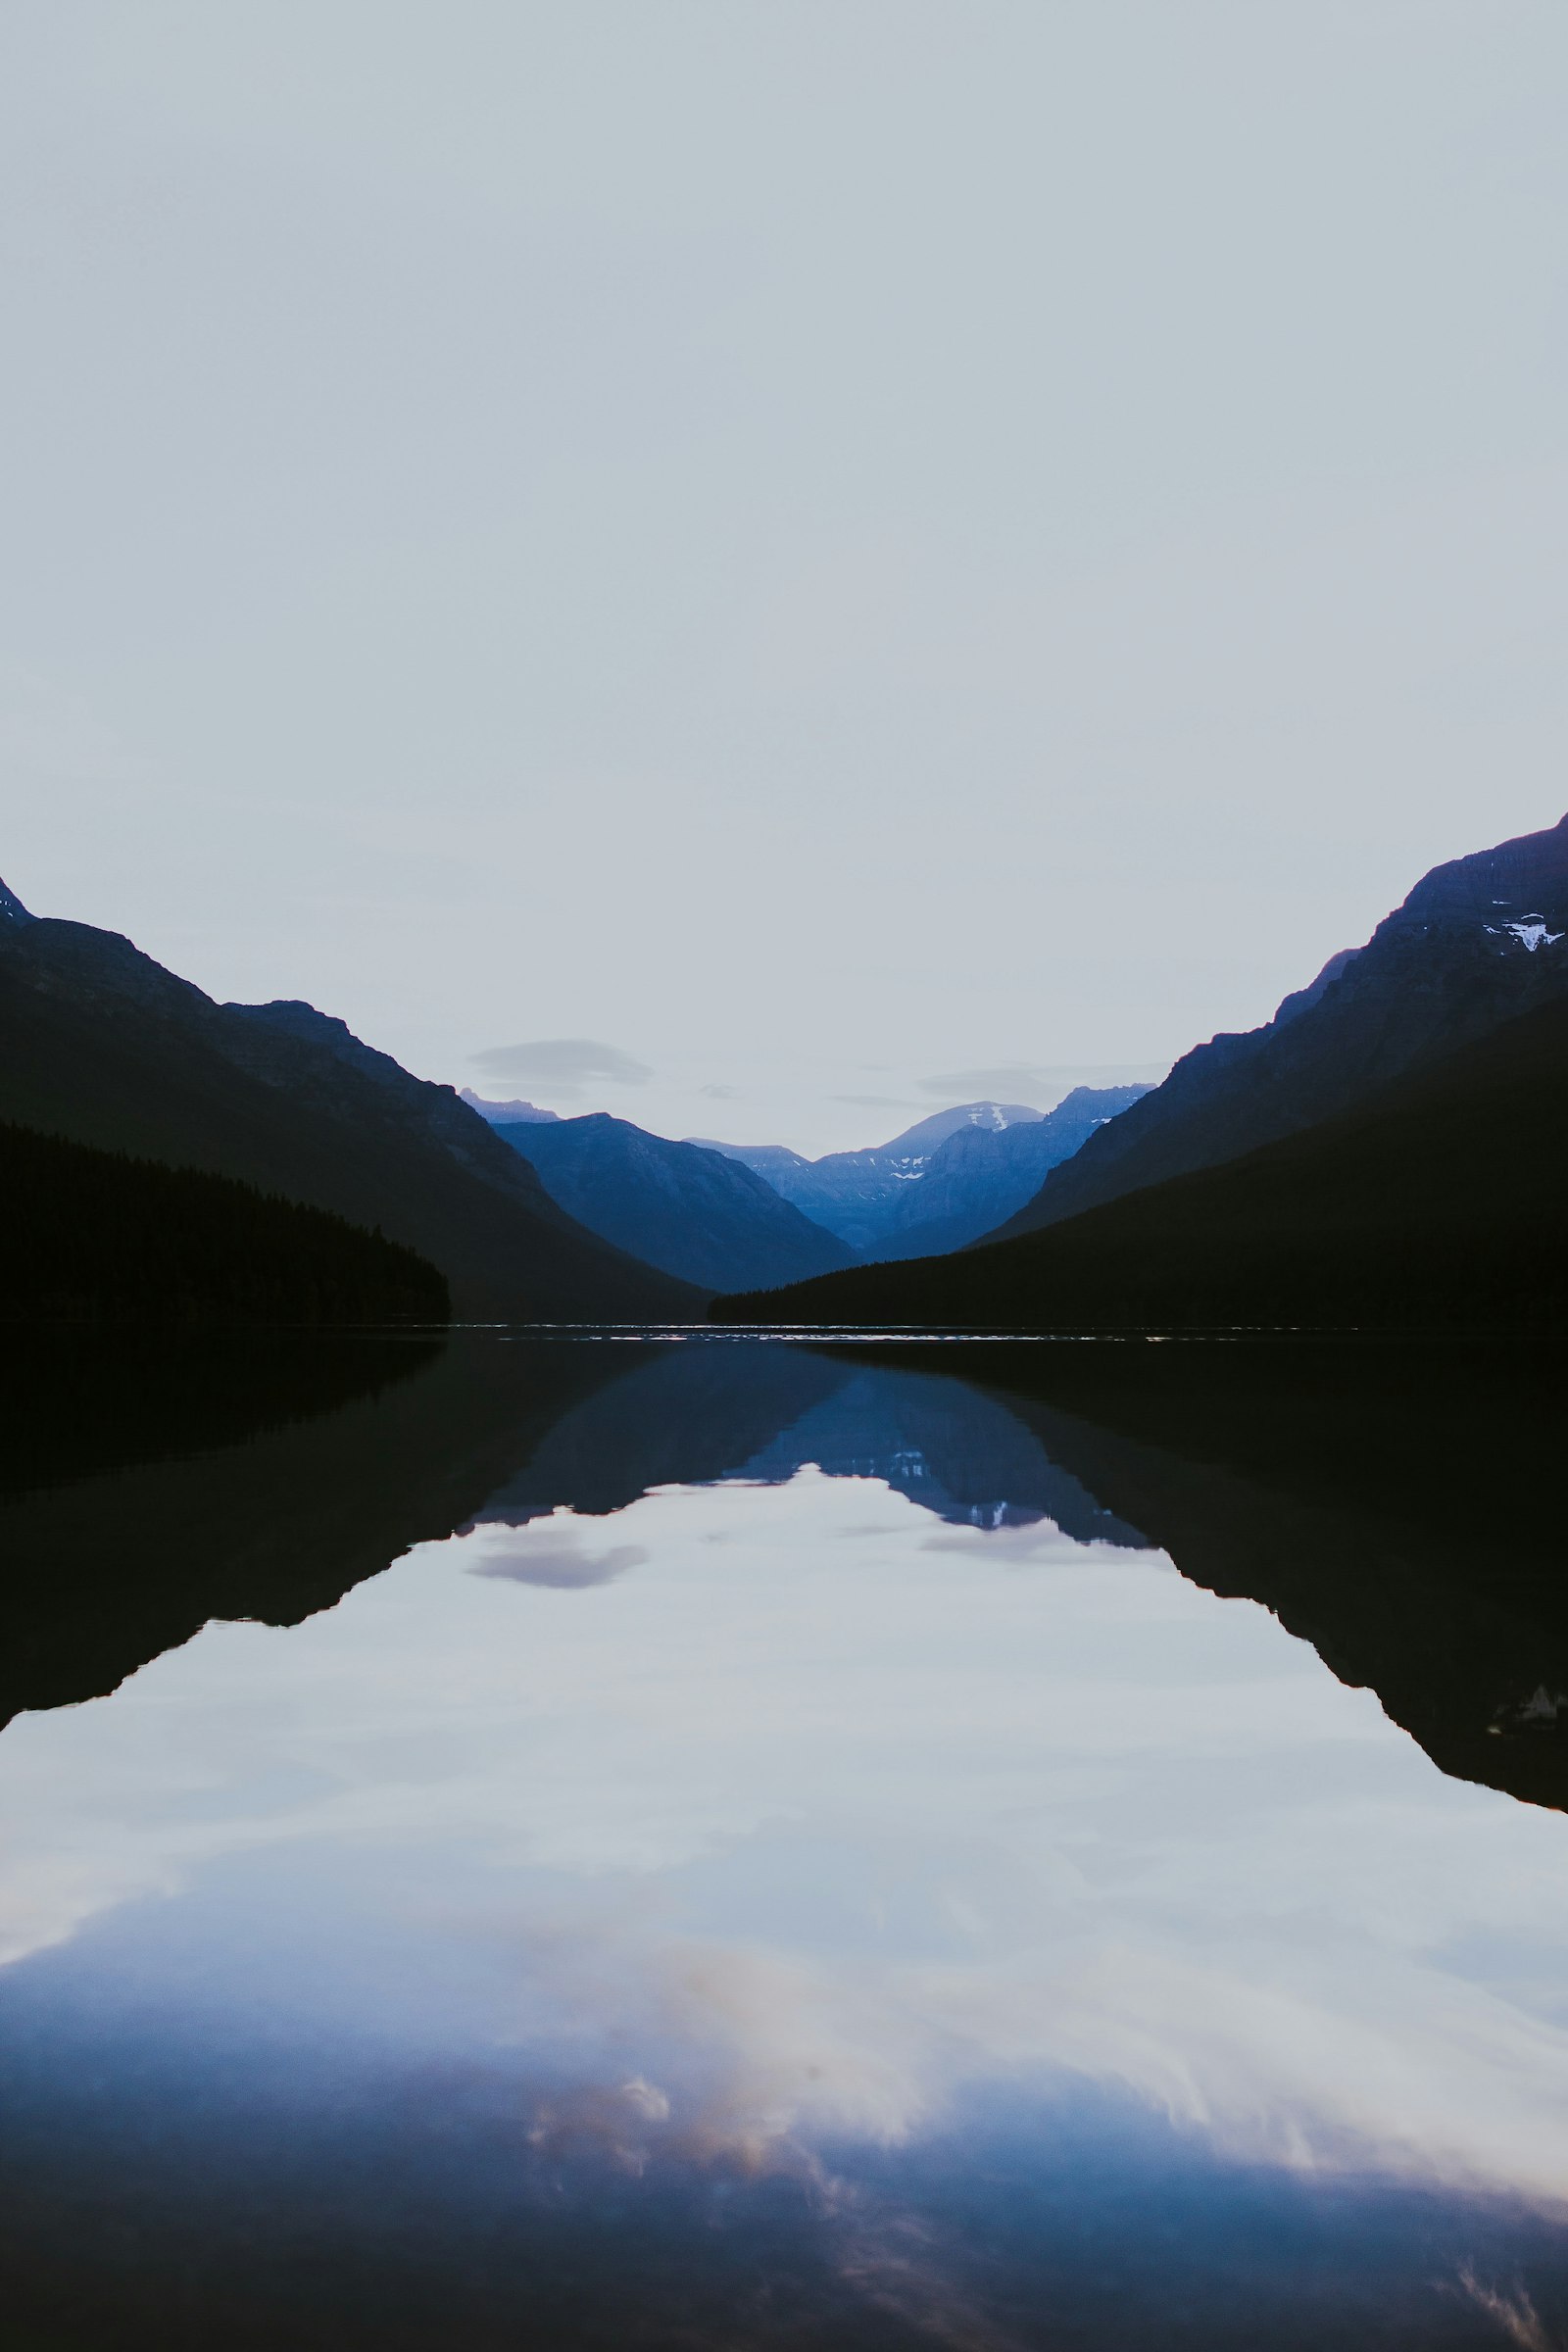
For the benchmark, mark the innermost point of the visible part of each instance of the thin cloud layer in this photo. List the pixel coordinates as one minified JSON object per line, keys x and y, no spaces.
{"x":563,"y":1065}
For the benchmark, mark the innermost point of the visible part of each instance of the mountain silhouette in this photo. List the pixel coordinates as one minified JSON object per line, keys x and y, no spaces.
{"x":102,"y":1046}
{"x":96,"y":1235}
{"x":1436,"y":1207}
{"x":1478,"y":941}
{"x":693,"y":1212}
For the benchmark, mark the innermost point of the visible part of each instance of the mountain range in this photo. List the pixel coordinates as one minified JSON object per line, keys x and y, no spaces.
{"x":1385,"y":1149}
{"x":526,"y":1215}
{"x":1382,"y":1150}
{"x":104,"y":1047}
{"x":692,"y":1211}
{"x":942,"y":1182}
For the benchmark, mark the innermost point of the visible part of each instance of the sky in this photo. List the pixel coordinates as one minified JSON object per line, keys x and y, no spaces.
{"x":767,"y":568}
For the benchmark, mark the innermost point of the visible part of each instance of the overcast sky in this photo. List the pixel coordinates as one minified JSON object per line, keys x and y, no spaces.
{"x":824,"y":556}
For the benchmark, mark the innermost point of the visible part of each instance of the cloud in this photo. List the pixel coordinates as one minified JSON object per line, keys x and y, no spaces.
{"x":1018,"y":1081}
{"x":719,"y":1093}
{"x":559,"y":1562}
{"x":563,"y":1065}
{"x":1515,"y":2314}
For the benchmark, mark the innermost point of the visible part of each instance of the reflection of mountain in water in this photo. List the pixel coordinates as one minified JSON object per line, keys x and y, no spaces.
{"x":1398,"y":1511}
{"x":689,"y":1415}
{"x":949,"y":1446}
{"x":149,"y":1484}
{"x":1398,"y":1507}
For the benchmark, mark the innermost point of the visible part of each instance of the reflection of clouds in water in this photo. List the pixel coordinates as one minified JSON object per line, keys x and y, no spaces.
{"x":1514,"y":2312}
{"x":550,"y":1552}
{"x":846,"y":1828}
{"x":763,"y":2056}
{"x":892,"y":2258}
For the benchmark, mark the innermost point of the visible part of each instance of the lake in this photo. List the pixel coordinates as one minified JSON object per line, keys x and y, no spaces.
{"x":660,"y":1842}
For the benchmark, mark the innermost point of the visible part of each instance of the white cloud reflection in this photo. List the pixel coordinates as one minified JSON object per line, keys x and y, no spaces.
{"x":806,"y":1838}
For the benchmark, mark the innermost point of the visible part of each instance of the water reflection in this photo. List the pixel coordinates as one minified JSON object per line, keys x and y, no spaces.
{"x":782,"y":1855}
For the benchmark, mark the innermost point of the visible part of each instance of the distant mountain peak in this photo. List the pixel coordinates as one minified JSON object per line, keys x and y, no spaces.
{"x":12,"y":910}
{"x":507,"y":1114}
{"x":927,"y":1133}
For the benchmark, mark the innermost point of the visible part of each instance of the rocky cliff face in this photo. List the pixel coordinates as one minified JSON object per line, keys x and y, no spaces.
{"x":1476,"y":943}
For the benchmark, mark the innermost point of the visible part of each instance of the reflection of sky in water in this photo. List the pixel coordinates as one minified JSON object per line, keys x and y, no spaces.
{"x":786,"y":1829}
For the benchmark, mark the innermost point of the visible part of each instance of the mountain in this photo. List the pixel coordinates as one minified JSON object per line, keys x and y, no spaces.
{"x":103,"y":1045}
{"x":982,"y":1174}
{"x":1437,"y":1206}
{"x":859,"y":1194}
{"x":693,"y":1212}
{"x":1475,"y":943}
{"x":88,"y":1234}
{"x":503,"y":1115}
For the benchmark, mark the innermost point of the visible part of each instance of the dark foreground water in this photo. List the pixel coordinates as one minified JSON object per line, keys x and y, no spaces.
{"x":555,"y":1842}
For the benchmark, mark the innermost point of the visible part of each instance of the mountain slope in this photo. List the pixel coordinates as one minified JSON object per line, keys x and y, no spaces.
{"x":1476,"y":942}
{"x":859,"y":1196}
{"x":1440,"y":1206}
{"x":100,"y":1044}
{"x":980,"y":1175}
{"x":88,"y":1234}
{"x":695,"y":1213}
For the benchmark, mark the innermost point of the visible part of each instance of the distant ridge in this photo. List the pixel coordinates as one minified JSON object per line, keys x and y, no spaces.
{"x":695,"y":1213}
{"x":980,"y":1175}
{"x":859,"y":1194}
{"x":499,"y":1115}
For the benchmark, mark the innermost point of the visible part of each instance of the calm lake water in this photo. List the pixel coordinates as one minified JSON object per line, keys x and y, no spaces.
{"x":717,"y":1843}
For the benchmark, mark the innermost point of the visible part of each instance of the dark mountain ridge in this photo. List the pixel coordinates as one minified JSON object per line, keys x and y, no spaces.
{"x":1477,"y":941}
{"x":101,"y":1044}
{"x":97,"y":1236}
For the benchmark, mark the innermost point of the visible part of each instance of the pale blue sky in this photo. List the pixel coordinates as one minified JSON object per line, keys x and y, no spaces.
{"x":818,"y":546}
